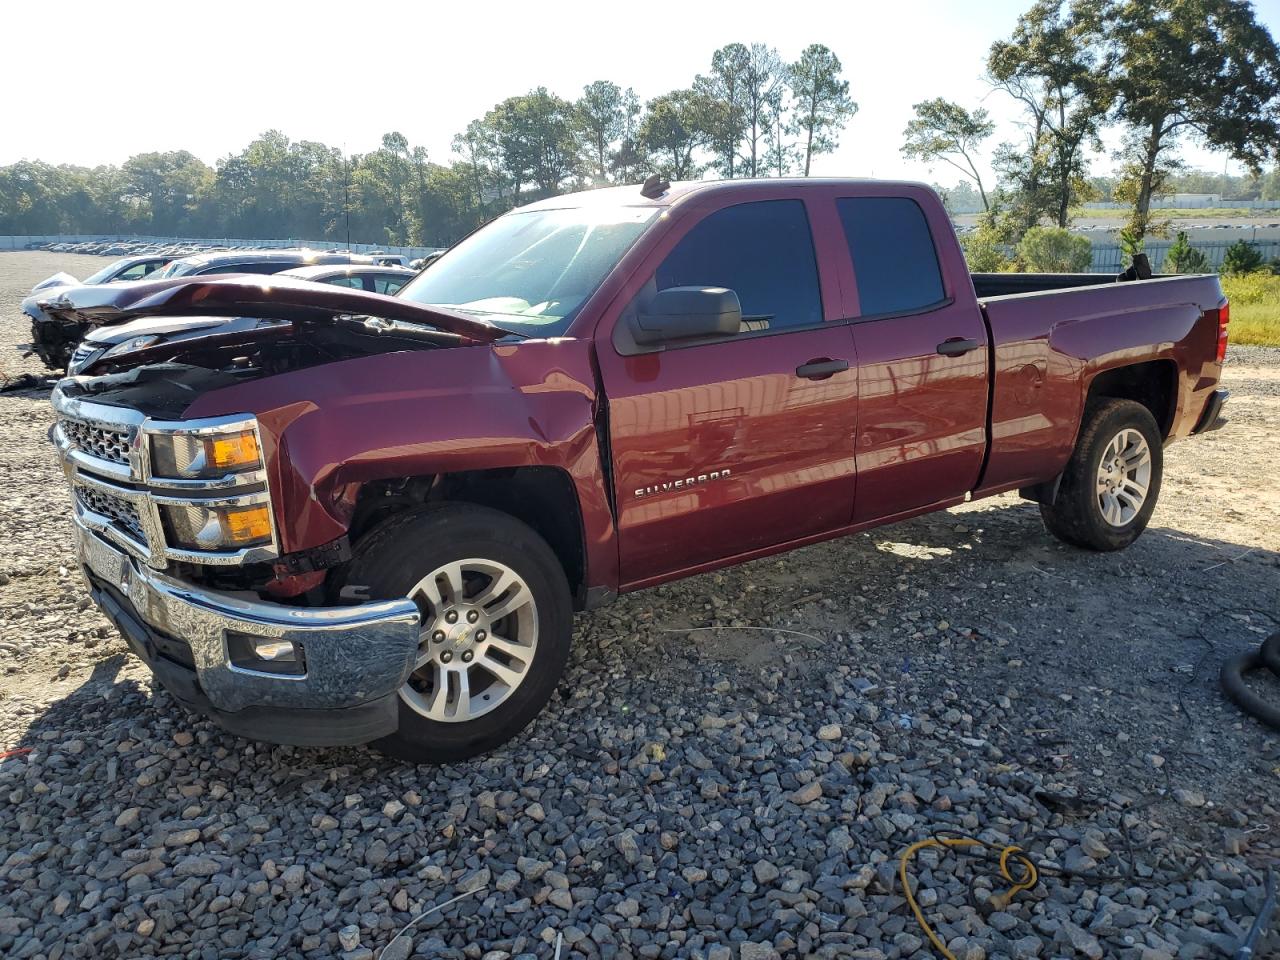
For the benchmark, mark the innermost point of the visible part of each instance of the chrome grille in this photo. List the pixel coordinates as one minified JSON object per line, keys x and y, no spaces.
{"x":96,"y":441}
{"x":123,"y":513}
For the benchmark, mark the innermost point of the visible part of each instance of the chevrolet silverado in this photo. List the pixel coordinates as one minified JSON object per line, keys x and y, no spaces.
{"x":372,"y":519}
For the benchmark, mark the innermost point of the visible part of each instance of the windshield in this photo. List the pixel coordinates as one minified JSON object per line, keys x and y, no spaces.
{"x":530,"y":272}
{"x":108,"y":270}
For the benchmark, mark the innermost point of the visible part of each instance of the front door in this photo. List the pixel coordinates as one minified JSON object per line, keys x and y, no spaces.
{"x":735,"y":445}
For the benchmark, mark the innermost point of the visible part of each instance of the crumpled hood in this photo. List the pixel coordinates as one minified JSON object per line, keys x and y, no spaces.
{"x":57,"y":280}
{"x":240,"y":295}
{"x":169,"y":328}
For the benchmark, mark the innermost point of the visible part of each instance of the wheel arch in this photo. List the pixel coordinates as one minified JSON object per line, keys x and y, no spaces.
{"x":543,"y":497}
{"x":1152,"y":383}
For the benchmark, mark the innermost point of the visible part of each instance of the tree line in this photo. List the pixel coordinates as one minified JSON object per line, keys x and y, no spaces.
{"x":1161,"y":71}
{"x":751,"y":114}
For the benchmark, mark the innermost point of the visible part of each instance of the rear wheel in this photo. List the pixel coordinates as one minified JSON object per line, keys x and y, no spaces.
{"x":496,"y":623}
{"x":1112,"y":481}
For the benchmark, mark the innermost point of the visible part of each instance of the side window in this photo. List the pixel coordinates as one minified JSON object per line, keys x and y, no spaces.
{"x":345,"y":280}
{"x":388,"y":285}
{"x":763,"y":251}
{"x":893,"y":254}
{"x":137,"y":271}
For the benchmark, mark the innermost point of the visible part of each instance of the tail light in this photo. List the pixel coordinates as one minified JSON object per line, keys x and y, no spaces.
{"x":1224,"y":317}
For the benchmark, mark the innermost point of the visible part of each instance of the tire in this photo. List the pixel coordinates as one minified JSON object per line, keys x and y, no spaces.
{"x":484,"y":548}
{"x":1081,"y":513}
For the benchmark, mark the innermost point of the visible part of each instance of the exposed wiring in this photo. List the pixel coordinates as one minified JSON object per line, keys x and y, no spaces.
{"x":1029,"y":878}
{"x":426,"y":913}
{"x":1031,"y":872}
{"x":793,"y":633}
{"x":16,"y":752}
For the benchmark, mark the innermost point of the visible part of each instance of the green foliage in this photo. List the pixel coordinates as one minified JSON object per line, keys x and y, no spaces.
{"x":603,"y":112}
{"x":1206,"y":68}
{"x":823,"y":105}
{"x":984,"y":253}
{"x":1131,"y":244}
{"x":674,"y":128}
{"x":1051,"y":65}
{"x":748,"y":85}
{"x":1242,"y":257}
{"x":1255,"y":308}
{"x":1271,"y":185}
{"x":1055,"y":250}
{"x":1182,"y":257}
{"x":943,"y":130}
{"x":752,"y":114}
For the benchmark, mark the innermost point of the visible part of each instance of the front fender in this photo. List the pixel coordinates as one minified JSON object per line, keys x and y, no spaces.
{"x":329,"y":429}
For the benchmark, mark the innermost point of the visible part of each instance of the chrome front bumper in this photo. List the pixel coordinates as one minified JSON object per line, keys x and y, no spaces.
{"x":350,"y":655}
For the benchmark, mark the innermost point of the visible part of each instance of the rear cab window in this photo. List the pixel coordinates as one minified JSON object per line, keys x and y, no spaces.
{"x":894,"y":257}
{"x":254,"y":266}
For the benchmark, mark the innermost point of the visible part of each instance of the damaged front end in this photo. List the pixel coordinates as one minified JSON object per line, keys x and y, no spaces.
{"x":176,"y":524}
{"x":159,"y":507}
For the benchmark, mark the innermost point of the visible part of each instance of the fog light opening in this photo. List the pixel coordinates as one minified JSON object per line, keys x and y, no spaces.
{"x":266,"y":655}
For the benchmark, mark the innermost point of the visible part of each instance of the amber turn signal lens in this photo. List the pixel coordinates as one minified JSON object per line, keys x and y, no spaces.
{"x":252,"y":523}
{"x":233,"y":450}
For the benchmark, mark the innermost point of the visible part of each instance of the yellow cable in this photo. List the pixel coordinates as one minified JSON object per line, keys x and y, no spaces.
{"x":1030,"y":877}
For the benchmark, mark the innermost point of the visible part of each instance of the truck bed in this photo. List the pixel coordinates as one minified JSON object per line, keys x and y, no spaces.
{"x":1057,"y":331}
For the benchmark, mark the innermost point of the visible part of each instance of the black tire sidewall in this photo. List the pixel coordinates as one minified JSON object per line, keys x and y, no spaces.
{"x":396,"y":555}
{"x":1076,"y":515}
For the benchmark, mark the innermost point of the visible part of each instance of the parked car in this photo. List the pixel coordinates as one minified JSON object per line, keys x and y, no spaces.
{"x":127,"y":268}
{"x":423,"y":262}
{"x":120,"y":271}
{"x":374,"y":521}
{"x":54,"y":335}
{"x":106,"y":347}
{"x":375,"y":279}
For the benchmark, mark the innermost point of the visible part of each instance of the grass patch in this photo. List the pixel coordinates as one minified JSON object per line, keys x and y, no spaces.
{"x":1180,"y":213}
{"x":1255,"y":308}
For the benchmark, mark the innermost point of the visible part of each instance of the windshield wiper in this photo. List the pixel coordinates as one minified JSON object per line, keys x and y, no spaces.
{"x":380,"y":326}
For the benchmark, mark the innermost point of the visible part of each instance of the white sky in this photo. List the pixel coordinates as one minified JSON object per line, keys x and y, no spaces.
{"x":92,"y":83}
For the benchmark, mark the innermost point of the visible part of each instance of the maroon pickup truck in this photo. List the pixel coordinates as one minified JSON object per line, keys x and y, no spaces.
{"x":371,"y":519}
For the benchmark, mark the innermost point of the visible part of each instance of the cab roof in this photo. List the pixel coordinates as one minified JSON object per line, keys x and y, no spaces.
{"x":630,"y":195}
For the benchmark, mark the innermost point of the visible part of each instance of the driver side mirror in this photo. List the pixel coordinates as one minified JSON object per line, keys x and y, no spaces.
{"x":685,"y":313}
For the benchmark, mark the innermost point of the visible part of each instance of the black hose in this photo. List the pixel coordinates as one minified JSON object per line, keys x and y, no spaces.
{"x":1270,"y":651}
{"x":1233,"y":685}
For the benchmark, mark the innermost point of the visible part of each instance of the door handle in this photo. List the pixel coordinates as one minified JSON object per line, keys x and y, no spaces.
{"x":821,"y":369}
{"x":957,"y":346}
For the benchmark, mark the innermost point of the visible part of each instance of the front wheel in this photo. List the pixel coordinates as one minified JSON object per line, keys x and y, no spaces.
{"x":1110,"y":485}
{"x":496,"y":624}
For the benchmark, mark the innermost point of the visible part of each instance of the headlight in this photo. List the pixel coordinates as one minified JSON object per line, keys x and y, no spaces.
{"x":133,"y":343}
{"x":193,"y":527}
{"x":180,"y":456}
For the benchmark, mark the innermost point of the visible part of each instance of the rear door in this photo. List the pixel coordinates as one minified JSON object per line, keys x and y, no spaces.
{"x":921,"y":345}
{"x":726,"y":447}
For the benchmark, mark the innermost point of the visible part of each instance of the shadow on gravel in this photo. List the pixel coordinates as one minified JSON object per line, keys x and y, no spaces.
{"x":1154,"y":621}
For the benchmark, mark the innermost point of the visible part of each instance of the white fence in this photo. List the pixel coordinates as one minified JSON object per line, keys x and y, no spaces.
{"x":22,"y":242}
{"x":1190,"y":203}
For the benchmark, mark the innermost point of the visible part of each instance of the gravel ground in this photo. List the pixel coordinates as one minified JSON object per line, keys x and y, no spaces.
{"x":730,"y":770}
